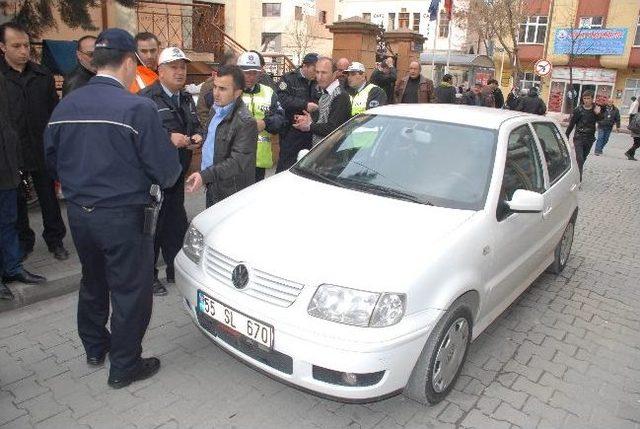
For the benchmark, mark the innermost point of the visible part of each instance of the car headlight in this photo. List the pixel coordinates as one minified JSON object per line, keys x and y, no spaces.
{"x":193,"y":244}
{"x":356,"y":307}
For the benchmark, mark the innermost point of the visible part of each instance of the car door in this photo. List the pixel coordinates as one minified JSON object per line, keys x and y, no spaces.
{"x":560,"y":197}
{"x":517,"y":246}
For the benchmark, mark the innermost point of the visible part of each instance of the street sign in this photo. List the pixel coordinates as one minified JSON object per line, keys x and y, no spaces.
{"x":542,"y":68}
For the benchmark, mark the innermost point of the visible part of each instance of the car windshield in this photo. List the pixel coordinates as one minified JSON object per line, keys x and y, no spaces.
{"x":427,"y":162}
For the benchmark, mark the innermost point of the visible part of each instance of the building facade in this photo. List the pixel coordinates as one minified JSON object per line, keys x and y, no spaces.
{"x":592,"y":45}
{"x":414,"y":15}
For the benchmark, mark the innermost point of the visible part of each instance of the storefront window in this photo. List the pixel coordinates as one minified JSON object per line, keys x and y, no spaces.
{"x":603,"y":93}
{"x":631,"y":89}
{"x":556,"y":95}
{"x":636,"y":42}
{"x":529,"y":80}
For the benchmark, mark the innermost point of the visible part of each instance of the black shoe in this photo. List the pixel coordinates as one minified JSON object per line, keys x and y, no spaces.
{"x":158,"y":288}
{"x":97,"y":360}
{"x":629,"y":156}
{"x":171,"y":280}
{"x":148,"y":367}
{"x":25,"y":277}
{"x":5,"y":292}
{"x":60,"y":253}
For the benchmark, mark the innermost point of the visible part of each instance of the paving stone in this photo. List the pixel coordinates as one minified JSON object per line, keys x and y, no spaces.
{"x":25,"y":389}
{"x":496,"y":390}
{"x":42,"y":407}
{"x":8,"y":410}
{"x":475,"y":419}
{"x":507,"y":413}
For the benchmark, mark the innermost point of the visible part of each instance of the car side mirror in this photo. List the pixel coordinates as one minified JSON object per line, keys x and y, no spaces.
{"x":302,"y":154}
{"x":524,"y":201}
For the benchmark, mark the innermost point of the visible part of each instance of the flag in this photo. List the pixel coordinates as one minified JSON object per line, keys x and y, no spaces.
{"x":448,"y":6}
{"x":433,"y":10}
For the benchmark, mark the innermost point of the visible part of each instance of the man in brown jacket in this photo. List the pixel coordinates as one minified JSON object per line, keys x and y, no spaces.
{"x":414,"y":88}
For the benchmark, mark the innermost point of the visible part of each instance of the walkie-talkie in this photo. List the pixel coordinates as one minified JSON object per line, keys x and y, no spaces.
{"x":152,"y":210}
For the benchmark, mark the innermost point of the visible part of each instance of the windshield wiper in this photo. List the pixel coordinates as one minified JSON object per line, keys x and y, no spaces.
{"x":314,"y":174}
{"x":387,"y":192}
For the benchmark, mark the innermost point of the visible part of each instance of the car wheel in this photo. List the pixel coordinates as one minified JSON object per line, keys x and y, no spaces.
{"x":442,"y":357}
{"x":563,"y":249}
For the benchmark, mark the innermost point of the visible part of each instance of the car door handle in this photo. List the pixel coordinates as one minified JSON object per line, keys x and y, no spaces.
{"x":573,"y":187}
{"x":547,"y":212}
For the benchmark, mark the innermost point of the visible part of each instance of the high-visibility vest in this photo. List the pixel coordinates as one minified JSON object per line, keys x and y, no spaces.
{"x":144,"y":77}
{"x":359,"y":101}
{"x":258,"y":104}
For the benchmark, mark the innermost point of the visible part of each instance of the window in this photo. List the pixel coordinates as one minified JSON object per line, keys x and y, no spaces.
{"x":529,"y":80}
{"x":443,"y":25}
{"x":522,"y":169}
{"x":322,"y":16}
{"x":416,"y":22}
{"x":403,"y":20}
{"x":271,"y":42}
{"x":554,"y":148}
{"x":392,"y":22}
{"x":298,"y":13}
{"x":591,"y":22}
{"x":533,"y":30}
{"x":636,"y":41}
{"x":270,"y":9}
{"x":366,"y":16}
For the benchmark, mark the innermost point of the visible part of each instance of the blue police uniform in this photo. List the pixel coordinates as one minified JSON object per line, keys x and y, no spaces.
{"x":107,"y":147}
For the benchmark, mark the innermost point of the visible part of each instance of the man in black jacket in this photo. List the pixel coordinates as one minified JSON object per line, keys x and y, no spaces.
{"x":32,"y":96}
{"x":84,"y":71}
{"x":10,"y":256}
{"x":177,"y":111}
{"x":297,"y":92}
{"x":584,"y":120}
{"x":531,"y":103}
{"x":385,"y":76}
{"x":334,"y":107}
{"x":498,"y":97}
{"x":229,"y":149}
{"x":611,"y":117}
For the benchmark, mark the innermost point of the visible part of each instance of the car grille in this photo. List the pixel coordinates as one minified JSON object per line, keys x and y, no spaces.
{"x":263,"y":286}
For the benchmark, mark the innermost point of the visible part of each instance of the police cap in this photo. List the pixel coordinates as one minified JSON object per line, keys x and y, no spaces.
{"x":310,"y":58}
{"x":116,"y":38}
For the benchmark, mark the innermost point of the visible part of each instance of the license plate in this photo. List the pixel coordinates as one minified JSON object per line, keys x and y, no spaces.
{"x":251,"y":328}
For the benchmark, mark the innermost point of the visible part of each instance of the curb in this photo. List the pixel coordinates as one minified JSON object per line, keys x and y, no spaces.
{"x":30,"y":294}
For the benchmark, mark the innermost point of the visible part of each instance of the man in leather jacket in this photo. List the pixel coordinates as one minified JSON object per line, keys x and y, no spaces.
{"x":229,"y":149}
{"x":84,"y":71}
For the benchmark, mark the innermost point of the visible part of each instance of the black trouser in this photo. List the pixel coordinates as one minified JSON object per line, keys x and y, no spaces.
{"x":54,"y":229}
{"x":583,"y":144}
{"x":292,"y":143}
{"x":117,"y":260}
{"x":631,"y":117}
{"x":172,"y":226}
{"x":636,"y":146}
{"x":260,"y":172}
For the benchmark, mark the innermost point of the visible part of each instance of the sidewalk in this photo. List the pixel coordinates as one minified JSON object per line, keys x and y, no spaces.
{"x":63,"y":276}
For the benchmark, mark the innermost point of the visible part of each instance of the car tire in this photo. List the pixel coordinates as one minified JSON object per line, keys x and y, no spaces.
{"x":439,"y":364}
{"x":563,"y":249}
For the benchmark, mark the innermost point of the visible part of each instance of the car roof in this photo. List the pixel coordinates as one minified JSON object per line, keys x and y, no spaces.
{"x":474,"y":116}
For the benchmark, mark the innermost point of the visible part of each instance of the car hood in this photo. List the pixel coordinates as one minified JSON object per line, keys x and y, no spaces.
{"x":313,"y":233}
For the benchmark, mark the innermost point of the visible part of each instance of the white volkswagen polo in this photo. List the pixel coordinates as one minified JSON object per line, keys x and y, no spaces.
{"x":368,"y":267}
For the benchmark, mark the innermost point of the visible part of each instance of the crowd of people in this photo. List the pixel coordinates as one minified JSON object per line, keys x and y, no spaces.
{"x":126,"y":125}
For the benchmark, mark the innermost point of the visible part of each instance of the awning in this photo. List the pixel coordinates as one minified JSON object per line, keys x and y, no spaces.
{"x":457,"y":59}
{"x":59,"y":56}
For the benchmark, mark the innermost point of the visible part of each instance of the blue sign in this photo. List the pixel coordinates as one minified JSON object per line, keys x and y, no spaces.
{"x":585,"y":41}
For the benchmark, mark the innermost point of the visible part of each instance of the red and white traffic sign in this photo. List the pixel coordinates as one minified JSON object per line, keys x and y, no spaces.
{"x":542,"y":67}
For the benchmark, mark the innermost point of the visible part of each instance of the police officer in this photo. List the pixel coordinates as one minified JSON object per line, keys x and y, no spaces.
{"x":365,"y":95}
{"x":178,"y":114}
{"x":264,"y":106}
{"x":107,"y":147}
{"x":297,"y":93}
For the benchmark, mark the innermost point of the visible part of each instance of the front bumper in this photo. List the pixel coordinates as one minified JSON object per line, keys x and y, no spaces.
{"x":311,"y":353}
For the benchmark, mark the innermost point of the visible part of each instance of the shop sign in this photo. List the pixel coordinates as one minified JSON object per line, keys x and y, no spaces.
{"x":582,"y":74}
{"x":586,"y":41}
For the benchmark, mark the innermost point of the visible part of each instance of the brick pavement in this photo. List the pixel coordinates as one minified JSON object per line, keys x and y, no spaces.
{"x":566,"y":354}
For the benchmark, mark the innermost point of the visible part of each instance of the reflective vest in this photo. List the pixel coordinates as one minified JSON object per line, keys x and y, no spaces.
{"x":258,"y":104}
{"x":144,"y":77}
{"x":359,"y":101}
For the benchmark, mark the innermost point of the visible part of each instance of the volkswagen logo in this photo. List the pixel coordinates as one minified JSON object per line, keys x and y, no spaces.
{"x":240,"y":276}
